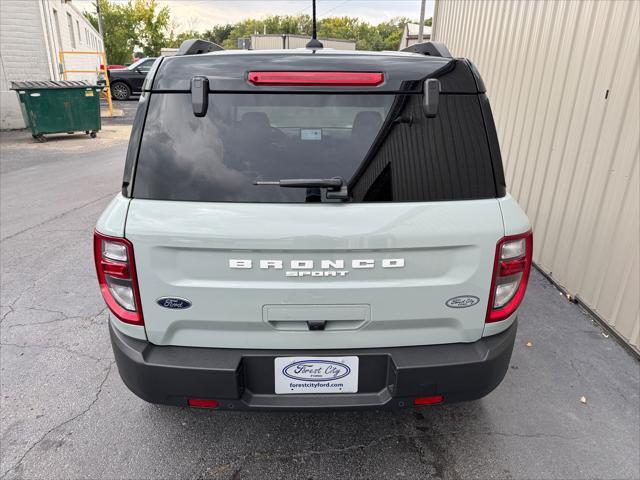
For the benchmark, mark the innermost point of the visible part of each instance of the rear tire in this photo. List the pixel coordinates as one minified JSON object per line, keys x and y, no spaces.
{"x":120,"y":91}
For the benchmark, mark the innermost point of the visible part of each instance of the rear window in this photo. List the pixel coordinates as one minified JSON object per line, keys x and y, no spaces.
{"x":381,"y":144}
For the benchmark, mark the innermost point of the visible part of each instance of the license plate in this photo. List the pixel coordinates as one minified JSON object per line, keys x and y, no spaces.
{"x":316,"y":375}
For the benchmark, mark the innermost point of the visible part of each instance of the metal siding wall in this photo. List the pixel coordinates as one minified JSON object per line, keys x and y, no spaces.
{"x":274,"y":42}
{"x":338,"y":45}
{"x":262,"y":42}
{"x":571,"y":156}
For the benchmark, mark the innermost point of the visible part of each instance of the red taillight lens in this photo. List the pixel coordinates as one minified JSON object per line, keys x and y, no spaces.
{"x":510,"y":276}
{"x":315,"y":79}
{"x":116,"y":271}
{"x":428,"y":400}
{"x":203,"y":403}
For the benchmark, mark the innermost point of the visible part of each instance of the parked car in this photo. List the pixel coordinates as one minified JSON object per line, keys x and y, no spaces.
{"x":313,"y":229}
{"x":113,"y":67}
{"x":101,"y":74}
{"x":127,"y":81}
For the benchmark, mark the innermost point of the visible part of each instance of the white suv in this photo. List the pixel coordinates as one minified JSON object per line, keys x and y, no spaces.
{"x":313,"y":229}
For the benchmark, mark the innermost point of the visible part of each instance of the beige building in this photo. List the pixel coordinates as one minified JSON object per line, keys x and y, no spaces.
{"x":278,"y":42}
{"x":271,"y":42}
{"x":32,"y":34}
{"x":410,"y":35}
{"x":563,"y":80}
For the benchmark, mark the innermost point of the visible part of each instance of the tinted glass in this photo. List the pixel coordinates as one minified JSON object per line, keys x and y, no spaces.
{"x":135,"y":64}
{"x":146,"y":65}
{"x":382,"y":145}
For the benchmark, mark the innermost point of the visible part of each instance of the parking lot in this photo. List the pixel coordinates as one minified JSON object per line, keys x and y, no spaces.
{"x":66,"y":414}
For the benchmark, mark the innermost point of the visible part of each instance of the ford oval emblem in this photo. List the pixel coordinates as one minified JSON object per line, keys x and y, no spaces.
{"x":316,"y":370}
{"x":463,"y":301}
{"x":173,"y":303}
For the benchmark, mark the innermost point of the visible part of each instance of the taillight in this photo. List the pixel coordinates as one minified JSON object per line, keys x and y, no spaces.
{"x":315,"y":79}
{"x":510,"y":275}
{"x":116,"y":271}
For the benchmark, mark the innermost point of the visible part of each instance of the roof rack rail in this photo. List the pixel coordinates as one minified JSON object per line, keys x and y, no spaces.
{"x":196,"y":46}
{"x":434,"y":49}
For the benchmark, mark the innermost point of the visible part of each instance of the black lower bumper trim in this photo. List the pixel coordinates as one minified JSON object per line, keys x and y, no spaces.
{"x":244,"y":379}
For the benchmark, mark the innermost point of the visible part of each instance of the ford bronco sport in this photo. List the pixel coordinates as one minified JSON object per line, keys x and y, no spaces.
{"x":312,"y":228}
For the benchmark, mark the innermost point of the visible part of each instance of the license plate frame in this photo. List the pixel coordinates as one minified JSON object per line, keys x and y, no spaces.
{"x":315,"y":375}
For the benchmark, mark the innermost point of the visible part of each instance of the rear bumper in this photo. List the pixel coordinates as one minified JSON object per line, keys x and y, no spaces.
{"x":244,"y":379}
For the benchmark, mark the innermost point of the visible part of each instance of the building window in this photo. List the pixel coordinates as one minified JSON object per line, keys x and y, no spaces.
{"x":71,"y":33}
{"x":79,"y":34}
{"x":58,"y":29}
{"x":55,"y":55}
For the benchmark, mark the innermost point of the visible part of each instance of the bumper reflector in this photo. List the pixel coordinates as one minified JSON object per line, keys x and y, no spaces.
{"x":428,"y":400}
{"x":203,"y":403}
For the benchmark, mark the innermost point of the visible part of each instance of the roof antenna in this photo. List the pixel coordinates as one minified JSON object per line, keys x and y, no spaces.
{"x":314,"y":42}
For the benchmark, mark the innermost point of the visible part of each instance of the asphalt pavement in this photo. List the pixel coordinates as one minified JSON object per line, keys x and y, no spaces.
{"x":64,"y":412}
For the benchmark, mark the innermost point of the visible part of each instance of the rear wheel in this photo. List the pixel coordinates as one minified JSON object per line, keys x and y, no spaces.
{"x":120,"y":91}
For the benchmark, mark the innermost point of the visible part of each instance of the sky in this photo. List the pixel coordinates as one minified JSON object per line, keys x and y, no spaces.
{"x":202,"y":14}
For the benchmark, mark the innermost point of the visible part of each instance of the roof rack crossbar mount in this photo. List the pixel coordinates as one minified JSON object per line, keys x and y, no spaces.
{"x":433,"y":49}
{"x":196,"y":46}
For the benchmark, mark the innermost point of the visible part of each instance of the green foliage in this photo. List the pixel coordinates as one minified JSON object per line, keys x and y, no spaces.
{"x":152,"y":26}
{"x":175,"y":41}
{"x":131,"y":26}
{"x":384,"y":36}
{"x":142,"y":25}
{"x":218,"y":34}
{"x":275,"y":24}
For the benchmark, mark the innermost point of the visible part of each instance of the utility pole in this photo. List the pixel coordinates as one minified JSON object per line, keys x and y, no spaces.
{"x":421,"y":27}
{"x":99,"y":20}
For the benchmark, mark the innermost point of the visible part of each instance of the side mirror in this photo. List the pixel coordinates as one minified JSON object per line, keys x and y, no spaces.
{"x":431,"y":97}
{"x":200,"y":95}
{"x":138,"y":70}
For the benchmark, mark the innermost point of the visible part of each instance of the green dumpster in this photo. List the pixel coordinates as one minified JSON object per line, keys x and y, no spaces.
{"x":59,"y":107}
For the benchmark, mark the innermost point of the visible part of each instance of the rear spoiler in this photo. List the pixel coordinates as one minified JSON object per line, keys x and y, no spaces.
{"x":196,"y":46}
{"x":434,"y":49}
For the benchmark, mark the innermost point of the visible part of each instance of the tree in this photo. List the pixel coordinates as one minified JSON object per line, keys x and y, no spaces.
{"x":152,"y":26}
{"x":218,"y":34}
{"x":119,"y":31}
{"x":137,"y":24}
{"x":174,"y":41}
{"x":274,"y":24}
{"x":391,"y":32}
{"x":142,"y":25}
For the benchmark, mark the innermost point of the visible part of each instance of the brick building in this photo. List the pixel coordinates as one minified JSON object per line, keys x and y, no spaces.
{"x":32,"y":33}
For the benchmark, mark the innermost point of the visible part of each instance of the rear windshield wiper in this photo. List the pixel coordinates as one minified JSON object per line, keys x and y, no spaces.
{"x":336,"y":186}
